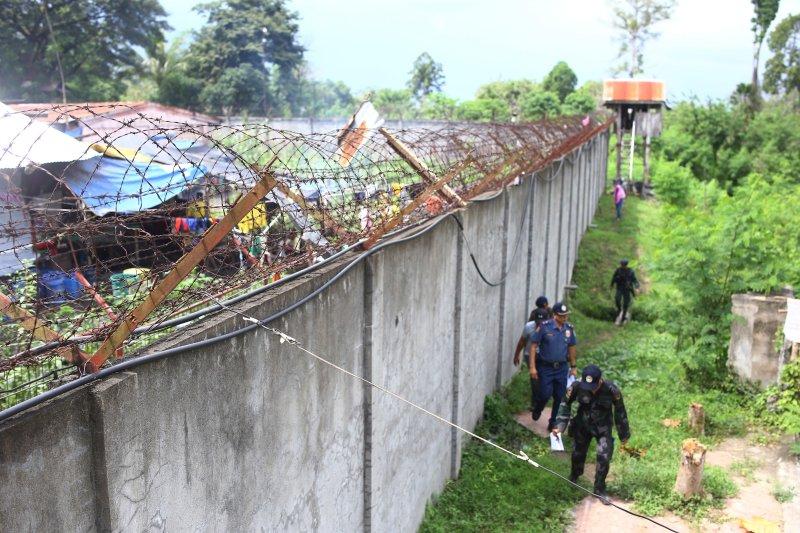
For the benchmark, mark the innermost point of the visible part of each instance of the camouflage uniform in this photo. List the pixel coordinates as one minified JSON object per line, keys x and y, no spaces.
{"x":593,"y":420}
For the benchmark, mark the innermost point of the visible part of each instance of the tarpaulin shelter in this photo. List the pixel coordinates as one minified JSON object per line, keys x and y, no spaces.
{"x":119,"y":185}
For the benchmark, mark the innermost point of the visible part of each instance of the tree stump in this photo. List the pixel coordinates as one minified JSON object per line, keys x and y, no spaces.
{"x":697,"y":419}
{"x":689,"y":481}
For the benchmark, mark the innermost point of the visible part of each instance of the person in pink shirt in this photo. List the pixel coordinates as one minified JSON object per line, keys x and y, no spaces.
{"x":619,"y":197}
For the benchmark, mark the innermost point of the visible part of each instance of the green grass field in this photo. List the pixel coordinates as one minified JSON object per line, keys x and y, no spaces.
{"x":498,"y":493}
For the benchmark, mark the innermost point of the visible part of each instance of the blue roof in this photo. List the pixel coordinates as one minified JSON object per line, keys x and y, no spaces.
{"x":110,"y":185}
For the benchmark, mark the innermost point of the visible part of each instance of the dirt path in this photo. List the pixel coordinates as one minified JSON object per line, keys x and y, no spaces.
{"x":757,"y":470}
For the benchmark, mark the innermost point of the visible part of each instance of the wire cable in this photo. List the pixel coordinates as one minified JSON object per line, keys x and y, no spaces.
{"x":521,"y":455}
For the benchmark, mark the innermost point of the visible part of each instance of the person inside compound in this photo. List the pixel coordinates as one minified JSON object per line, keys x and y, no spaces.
{"x":551,"y":347}
{"x":596,"y":399}
{"x":625,"y":280}
{"x":539,"y":314}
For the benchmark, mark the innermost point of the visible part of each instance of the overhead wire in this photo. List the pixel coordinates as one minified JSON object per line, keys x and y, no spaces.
{"x":521,"y":455}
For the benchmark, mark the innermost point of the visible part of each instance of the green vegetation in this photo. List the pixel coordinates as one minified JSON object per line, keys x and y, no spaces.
{"x":782,"y":494}
{"x":645,"y":360}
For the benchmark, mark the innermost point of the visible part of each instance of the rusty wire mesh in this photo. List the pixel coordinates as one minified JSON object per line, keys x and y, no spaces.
{"x":84,"y":241}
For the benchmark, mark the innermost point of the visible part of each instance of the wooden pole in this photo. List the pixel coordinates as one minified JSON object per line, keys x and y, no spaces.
{"x":324,"y":219}
{"x":414,"y":204}
{"x":697,"y":419}
{"x":620,"y":135}
{"x":40,"y":331}
{"x":421,"y":168}
{"x":647,"y":160}
{"x":211,"y":238}
{"x":689,"y":481}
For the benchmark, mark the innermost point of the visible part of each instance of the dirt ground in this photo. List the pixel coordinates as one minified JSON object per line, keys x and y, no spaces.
{"x":757,"y":470}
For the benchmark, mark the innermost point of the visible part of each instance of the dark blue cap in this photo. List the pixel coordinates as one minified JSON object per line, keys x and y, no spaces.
{"x":590,"y":377}
{"x":560,"y":308}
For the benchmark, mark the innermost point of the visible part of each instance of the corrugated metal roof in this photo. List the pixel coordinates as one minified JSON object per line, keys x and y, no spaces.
{"x":24,"y":142}
{"x":88,"y":110}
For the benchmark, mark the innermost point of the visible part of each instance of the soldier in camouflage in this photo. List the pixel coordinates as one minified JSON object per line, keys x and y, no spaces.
{"x":596,"y":400}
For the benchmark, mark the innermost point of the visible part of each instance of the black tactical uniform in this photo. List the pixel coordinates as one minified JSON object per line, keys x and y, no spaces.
{"x":593,"y":420}
{"x":625,"y":280}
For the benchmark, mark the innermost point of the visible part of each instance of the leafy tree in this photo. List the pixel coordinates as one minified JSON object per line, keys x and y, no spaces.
{"x":634,"y":19}
{"x":427,"y":77}
{"x":782,"y":74}
{"x":393,"y":103}
{"x":438,"y":106}
{"x":560,"y":80}
{"x":511,"y":92}
{"x":246,"y":40}
{"x":92,"y":43}
{"x":236,"y":89}
{"x":484,"y":110}
{"x":579,"y":102}
{"x":326,"y":99}
{"x":764,"y":12}
{"x":539,"y":105}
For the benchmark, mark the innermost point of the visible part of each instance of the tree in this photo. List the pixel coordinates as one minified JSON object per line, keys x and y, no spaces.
{"x":764,"y":13}
{"x":393,"y":103}
{"x":427,"y":76}
{"x":484,"y":110}
{"x":438,"y":106}
{"x":561,"y":80}
{"x":782,"y":74}
{"x":90,"y":44}
{"x":253,"y":40}
{"x":237,"y":89}
{"x":511,"y":92}
{"x":579,"y":102}
{"x":634,"y":19}
{"x":539,"y":105}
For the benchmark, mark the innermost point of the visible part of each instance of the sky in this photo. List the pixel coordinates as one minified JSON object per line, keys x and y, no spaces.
{"x":704,"y":50}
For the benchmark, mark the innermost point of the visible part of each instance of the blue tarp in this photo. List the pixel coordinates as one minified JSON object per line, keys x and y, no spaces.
{"x":110,"y":185}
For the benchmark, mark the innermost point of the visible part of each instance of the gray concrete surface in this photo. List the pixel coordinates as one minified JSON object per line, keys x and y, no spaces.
{"x":253,"y":434}
{"x":757,"y":321}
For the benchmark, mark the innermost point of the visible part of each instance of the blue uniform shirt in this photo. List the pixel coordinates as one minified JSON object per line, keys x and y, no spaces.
{"x":553,"y":342}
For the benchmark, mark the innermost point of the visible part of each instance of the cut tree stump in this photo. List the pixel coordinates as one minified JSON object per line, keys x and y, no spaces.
{"x":689,"y":481}
{"x":697,"y":419}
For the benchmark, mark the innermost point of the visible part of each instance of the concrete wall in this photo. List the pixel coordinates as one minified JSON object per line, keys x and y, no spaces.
{"x":252,"y":434}
{"x":757,"y":322}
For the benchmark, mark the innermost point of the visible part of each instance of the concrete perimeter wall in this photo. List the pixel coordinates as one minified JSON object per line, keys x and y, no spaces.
{"x":253,"y":434}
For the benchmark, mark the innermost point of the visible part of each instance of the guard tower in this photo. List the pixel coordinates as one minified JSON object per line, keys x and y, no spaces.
{"x":637,"y":105}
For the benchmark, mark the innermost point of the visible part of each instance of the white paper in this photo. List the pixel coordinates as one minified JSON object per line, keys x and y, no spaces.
{"x":570,"y":380}
{"x":791,"y":328}
{"x":556,"y":444}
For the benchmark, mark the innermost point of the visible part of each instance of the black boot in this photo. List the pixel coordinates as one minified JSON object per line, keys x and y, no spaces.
{"x":602,"y":495}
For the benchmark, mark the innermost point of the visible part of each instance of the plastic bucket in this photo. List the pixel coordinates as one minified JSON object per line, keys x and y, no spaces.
{"x":51,"y":285}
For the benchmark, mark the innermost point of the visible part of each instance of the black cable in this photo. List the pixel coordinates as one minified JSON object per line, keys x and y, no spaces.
{"x":604,"y":499}
{"x":156,"y":356}
{"x":505,"y":274}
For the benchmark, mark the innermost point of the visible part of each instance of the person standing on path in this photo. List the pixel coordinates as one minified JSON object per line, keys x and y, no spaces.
{"x":551,"y":349}
{"x":619,"y":197}
{"x":597,"y":401}
{"x":625,"y":280}
{"x":539,"y":314}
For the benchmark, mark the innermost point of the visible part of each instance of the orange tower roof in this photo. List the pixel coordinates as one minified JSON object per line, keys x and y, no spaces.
{"x":635,"y":91}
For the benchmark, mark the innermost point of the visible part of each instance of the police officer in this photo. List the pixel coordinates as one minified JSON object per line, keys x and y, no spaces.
{"x":539,"y":314}
{"x":551,"y":347}
{"x":625,"y":280}
{"x":596,"y":399}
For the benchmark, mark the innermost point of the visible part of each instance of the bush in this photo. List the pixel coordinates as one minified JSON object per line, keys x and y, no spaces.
{"x":672,"y":182}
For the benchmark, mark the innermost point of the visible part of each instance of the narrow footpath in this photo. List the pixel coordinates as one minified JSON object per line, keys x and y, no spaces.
{"x":762,"y":492}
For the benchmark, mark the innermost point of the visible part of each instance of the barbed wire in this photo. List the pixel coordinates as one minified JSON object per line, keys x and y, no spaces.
{"x":95,"y":216}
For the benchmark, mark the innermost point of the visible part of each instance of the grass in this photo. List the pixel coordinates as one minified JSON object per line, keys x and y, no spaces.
{"x":497,"y":493}
{"x":782,"y":494}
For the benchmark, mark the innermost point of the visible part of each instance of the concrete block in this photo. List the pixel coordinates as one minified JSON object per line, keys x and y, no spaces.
{"x":752,"y":352}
